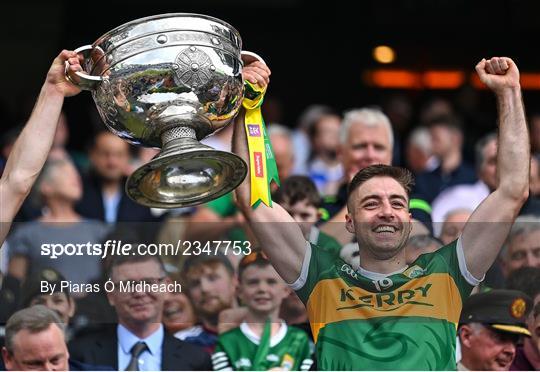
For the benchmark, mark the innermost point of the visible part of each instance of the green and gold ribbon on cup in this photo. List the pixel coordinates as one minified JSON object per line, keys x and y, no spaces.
{"x":262,"y":163}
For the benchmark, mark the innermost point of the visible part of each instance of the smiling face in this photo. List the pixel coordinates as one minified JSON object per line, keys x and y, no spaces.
{"x":138,"y":307}
{"x":57,"y":301}
{"x":379,"y":216}
{"x":261,"y":289}
{"x":178,"y":312}
{"x":211,"y":289}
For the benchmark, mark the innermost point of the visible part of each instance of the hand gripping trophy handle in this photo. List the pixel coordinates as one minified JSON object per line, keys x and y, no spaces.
{"x":168,"y":81}
{"x":82,"y":79}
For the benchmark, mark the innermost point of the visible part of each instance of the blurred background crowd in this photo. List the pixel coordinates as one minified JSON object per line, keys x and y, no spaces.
{"x":328,"y":116}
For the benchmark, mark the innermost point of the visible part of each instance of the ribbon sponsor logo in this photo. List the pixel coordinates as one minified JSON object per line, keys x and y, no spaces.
{"x":254,"y":130}
{"x":258,"y":158}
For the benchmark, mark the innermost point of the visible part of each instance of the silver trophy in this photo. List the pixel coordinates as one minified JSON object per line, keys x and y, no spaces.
{"x":168,"y":81}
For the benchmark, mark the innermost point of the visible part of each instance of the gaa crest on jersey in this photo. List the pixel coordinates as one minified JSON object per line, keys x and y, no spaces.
{"x":287,"y":363}
{"x":414,"y":272}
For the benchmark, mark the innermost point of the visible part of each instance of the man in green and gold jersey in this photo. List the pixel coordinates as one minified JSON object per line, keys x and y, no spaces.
{"x":387,"y":314}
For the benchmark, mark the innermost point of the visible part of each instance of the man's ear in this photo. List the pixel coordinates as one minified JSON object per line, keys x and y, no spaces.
{"x":465,"y":333}
{"x":349,"y":224}
{"x":8,"y":359}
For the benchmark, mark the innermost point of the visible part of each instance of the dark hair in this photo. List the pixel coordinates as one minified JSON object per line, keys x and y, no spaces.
{"x":297,"y":188}
{"x":525,"y":279}
{"x":449,"y":121}
{"x":257,"y":258}
{"x":118,"y":260}
{"x":401,"y":175}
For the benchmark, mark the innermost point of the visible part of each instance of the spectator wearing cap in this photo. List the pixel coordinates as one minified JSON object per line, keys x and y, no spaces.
{"x":491,"y":325}
{"x":139,"y":340}
{"x":211,"y":286}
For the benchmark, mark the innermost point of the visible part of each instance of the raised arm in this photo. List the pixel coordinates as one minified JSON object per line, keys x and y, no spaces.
{"x":279,"y":235}
{"x":33,"y":144}
{"x":488,"y":227}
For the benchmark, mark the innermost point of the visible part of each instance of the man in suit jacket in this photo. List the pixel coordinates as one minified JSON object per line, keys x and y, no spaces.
{"x":35,"y":340}
{"x":104,"y":197}
{"x":138,"y":341}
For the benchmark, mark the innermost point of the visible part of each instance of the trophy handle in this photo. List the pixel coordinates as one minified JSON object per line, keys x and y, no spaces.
{"x":248,"y":57}
{"x":82,"y":79}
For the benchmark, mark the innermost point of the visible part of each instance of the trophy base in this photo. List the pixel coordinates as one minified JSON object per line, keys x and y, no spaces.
{"x":175,"y":179}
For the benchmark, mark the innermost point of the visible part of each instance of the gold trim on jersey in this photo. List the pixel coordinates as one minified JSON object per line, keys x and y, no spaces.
{"x":433,"y":296}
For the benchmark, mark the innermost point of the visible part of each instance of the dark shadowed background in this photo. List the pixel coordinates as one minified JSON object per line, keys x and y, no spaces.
{"x":317,"y":52}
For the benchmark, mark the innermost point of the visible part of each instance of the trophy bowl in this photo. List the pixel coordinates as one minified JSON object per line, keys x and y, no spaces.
{"x":168,"y":81}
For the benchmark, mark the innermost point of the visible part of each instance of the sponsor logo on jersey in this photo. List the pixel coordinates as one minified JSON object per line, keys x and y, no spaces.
{"x":349,"y":271}
{"x":385,"y":301}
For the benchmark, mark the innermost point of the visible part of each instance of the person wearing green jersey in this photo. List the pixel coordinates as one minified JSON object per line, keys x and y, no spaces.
{"x":262,"y":341}
{"x":388,"y":314}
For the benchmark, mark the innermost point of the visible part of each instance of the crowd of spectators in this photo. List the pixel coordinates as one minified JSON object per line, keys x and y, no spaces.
{"x":79,"y":200}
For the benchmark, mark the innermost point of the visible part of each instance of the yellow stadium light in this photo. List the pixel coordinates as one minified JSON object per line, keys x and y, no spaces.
{"x":384,"y":54}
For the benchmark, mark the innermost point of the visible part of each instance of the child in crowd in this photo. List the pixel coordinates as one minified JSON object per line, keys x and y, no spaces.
{"x":299,"y":196}
{"x":262,"y":341}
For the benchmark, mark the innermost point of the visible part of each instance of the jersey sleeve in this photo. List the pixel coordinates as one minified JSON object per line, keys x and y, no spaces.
{"x":454,"y":259}
{"x":220,"y":359}
{"x":316,"y":261}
